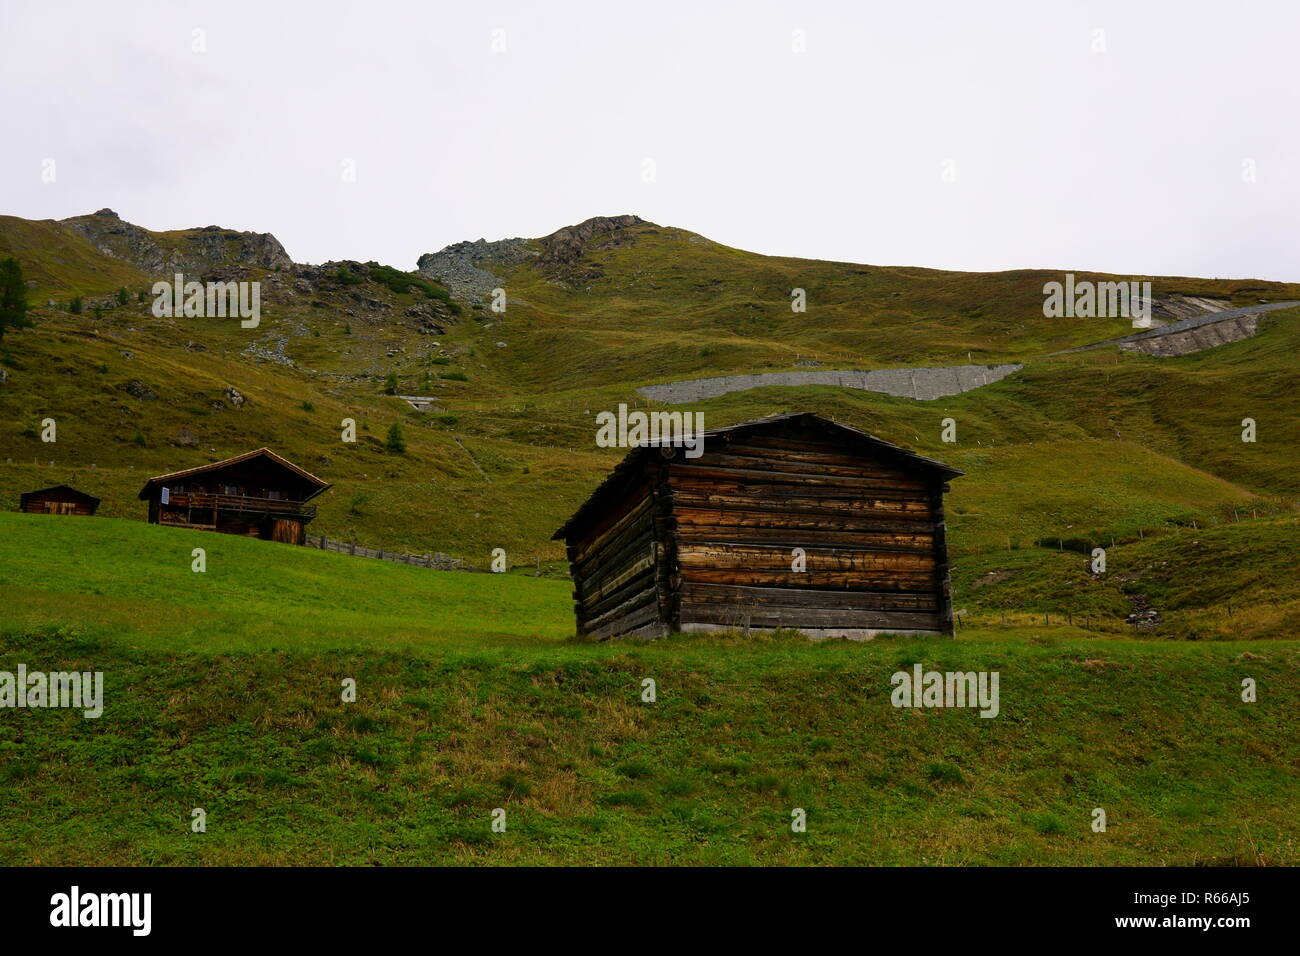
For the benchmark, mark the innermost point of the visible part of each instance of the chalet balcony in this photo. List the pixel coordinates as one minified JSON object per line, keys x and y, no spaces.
{"x":246,"y":505}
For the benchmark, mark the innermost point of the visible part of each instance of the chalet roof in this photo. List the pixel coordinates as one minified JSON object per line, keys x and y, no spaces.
{"x":41,"y":491}
{"x":246,"y":456}
{"x":624,"y":469}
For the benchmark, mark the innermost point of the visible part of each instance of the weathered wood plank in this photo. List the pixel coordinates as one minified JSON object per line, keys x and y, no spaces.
{"x":803,"y":617}
{"x":815,"y":559}
{"x":666,"y":576}
{"x":600,"y":569}
{"x":792,"y":465}
{"x":588,"y":546}
{"x":784,"y":537}
{"x":881,"y":458}
{"x":596,"y":591}
{"x":642,"y":599}
{"x":616,"y":550}
{"x":633,"y":589}
{"x":684,"y":481}
{"x":788,"y":442}
{"x":815,"y":479}
{"x":823,"y":454}
{"x":842,"y":580}
{"x":793,"y":504}
{"x":942,"y":576}
{"x":729,"y":595}
{"x":737,"y":518}
{"x":607,"y":576}
{"x":762,"y":475}
{"x":898,"y":534}
{"x":629,"y":623}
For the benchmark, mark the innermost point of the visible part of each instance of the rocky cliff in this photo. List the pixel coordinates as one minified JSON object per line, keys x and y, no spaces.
{"x":473,"y":269}
{"x":194,"y":252}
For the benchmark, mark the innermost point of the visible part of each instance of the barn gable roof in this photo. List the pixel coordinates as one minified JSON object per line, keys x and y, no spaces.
{"x":68,"y":488}
{"x":626,"y":469}
{"x":247,"y":456}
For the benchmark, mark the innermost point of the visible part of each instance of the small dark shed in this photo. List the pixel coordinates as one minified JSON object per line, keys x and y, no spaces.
{"x":257,"y":494}
{"x":59,"y":500}
{"x":790,"y":521}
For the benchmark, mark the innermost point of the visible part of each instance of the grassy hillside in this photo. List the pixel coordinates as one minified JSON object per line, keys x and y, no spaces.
{"x":135,"y":581}
{"x":222,"y":692}
{"x":1097,"y":446}
{"x":1236,"y":580}
{"x":670,"y":304}
{"x":1104,"y":441}
{"x":58,"y":262}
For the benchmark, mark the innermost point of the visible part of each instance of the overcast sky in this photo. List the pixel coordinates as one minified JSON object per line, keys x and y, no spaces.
{"x":983,"y":136}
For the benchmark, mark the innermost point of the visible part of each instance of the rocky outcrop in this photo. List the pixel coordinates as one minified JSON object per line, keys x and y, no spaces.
{"x":473,"y":269}
{"x":922,"y":384}
{"x":562,"y":249}
{"x":193,"y":252}
{"x":138,"y":389}
{"x":361,"y":293}
{"x":464,"y":267}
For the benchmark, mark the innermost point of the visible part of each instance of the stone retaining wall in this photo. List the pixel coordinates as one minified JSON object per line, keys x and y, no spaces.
{"x":922,"y":384}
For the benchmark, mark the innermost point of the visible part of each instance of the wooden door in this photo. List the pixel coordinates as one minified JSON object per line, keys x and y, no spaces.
{"x":289,"y":532}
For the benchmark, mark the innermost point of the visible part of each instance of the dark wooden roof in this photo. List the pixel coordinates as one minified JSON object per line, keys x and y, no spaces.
{"x":625,"y":470}
{"x":248,"y":455}
{"x":68,"y":488}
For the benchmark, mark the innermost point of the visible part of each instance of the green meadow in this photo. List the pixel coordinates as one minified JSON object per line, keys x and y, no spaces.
{"x":135,"y":582}
{"x":223,"y":692}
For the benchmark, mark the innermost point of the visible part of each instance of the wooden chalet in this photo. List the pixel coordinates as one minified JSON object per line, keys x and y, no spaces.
{"x":59,"y":500}
{"x":669,"y":543}
{"x":257,"y":494}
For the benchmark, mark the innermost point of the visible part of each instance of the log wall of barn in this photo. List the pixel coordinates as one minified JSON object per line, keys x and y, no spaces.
{"x":872,"y":535}
{"x":615,"y":573}
{"x":57,"y":505}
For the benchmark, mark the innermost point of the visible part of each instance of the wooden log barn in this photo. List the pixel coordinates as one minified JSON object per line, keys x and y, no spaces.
{"x":792,"y":521}
{"x":59,"y":500}
{"x":257,"y":494}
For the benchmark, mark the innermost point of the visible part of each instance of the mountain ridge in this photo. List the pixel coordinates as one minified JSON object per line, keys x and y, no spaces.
{"x":201,"y":249}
